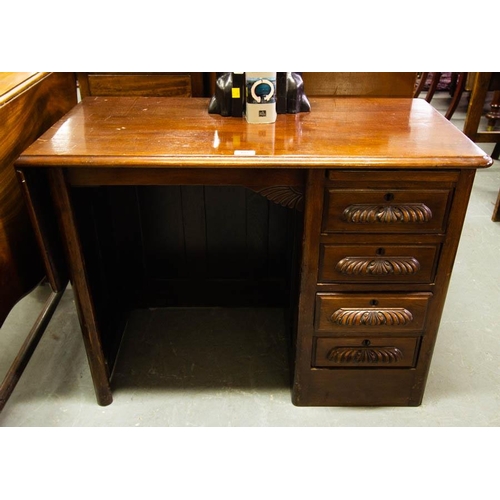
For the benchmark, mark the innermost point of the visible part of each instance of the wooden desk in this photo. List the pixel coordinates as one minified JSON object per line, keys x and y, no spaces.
{"x":383,"y":185}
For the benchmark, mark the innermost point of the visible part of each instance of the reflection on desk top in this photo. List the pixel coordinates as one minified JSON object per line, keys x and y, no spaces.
{"x":179,"y":132}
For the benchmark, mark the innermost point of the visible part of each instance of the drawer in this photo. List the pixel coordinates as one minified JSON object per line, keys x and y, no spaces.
{"x":364,"y":352}
{"x":386,"y":210}
{"x":345,"y":313}
{"x":376,"y":263}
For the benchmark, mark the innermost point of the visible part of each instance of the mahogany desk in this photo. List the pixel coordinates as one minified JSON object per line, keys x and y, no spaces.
{"x":383,"y":184}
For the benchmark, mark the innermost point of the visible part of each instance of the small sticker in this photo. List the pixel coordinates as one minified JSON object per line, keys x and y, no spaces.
{"x":235,"y":91}
{"x":244,"y":152}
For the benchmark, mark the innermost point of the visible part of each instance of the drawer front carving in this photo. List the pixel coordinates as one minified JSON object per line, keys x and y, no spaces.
{"x":359,"y":316}
{"x":365,"y":352}
{"x":408,"y":213}
{"x":344,"y":314}
{"x":386,"y":210}
{"x":381,"y":264}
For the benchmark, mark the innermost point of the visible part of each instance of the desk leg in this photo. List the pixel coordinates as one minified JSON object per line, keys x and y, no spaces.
{"x":79,"y":279}
{"x":313,"y":209}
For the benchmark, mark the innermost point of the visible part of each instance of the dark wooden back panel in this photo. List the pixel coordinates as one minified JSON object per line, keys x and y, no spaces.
{"x":187,"y":245}
{"x":29,"y":104}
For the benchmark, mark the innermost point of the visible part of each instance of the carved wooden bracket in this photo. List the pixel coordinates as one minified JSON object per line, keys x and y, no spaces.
{"x":354,"y":355}
{"x":286,"y":196}
{"x":397,"y":316}
{"x":388,"y":214}
{"x":380,"y":266}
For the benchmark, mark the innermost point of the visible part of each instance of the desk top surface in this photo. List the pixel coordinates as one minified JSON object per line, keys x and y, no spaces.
{"x":343,"y":132}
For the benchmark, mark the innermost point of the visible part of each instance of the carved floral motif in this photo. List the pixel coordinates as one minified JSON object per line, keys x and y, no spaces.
{"x":371,"y":317}
{"x":286,"y":196}
{"x":380,"y":266}
{"x":388,"y":214}
{"x":385,"y":355}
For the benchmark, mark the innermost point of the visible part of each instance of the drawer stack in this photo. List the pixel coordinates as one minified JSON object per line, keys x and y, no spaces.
{"x":381,"y":239}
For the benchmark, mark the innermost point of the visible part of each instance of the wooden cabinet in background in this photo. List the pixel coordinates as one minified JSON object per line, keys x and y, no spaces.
{"x":144,"y":84}
{"x":369,"y":84}
{"x":29,"y":104}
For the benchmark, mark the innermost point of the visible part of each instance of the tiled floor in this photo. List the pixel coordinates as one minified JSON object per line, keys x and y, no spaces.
{"x":165,"y":381}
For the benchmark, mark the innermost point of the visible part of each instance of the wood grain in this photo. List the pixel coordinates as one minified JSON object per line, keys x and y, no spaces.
{"x":139,"y":132}
{"x":142,"y":84}
{"x":29,"y":104}
{"x":373,"y":84}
